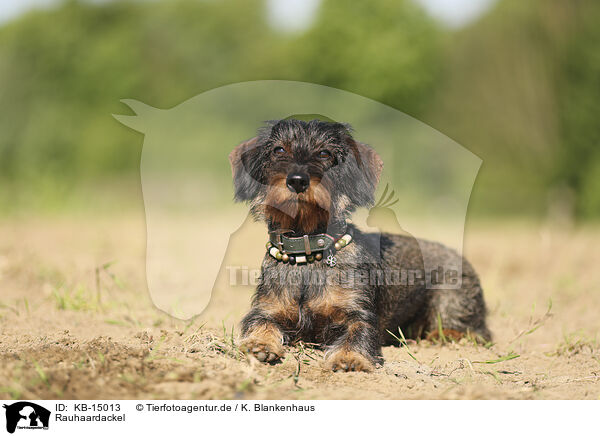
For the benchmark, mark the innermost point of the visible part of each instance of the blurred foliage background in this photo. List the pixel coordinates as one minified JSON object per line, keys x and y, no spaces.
{"x":519,"y":87}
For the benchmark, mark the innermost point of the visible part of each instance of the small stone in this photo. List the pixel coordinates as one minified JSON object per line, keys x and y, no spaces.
{"x":292,"y":260}
{"x":318,"y":256}
{"x":337,"y":246}
{"x":278,"y":256}
{"x":310,"y":258}
{"x":285,"y":257}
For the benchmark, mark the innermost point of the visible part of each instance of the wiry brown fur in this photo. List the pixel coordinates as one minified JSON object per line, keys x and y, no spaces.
{"x":318,"y":304}
{"x":292,"y":211}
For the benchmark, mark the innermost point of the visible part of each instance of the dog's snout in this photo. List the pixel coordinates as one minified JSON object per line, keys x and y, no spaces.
{"x":297,"y":182}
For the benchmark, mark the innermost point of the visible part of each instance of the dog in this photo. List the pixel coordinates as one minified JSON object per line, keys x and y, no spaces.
{"x":304,"y":179}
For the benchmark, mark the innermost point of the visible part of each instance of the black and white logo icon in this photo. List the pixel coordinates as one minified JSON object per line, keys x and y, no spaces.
{"x":26,"y":415}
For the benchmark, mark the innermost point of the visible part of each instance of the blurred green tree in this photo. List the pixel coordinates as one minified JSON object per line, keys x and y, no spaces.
{"x":387,"y":50}
{"x":519,"y":87}
{"x":63,"y":72}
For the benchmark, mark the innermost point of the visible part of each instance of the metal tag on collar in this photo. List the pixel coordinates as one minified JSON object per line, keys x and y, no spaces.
{"x":331,"y":261}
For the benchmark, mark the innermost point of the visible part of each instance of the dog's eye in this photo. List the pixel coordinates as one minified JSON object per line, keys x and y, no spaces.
{"x":324,"y":154}
{"x":279,"y":150}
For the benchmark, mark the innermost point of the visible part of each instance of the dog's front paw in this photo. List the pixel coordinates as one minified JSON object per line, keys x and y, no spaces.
{"x":263,"y":352}
{"x":265,"y":345}
{"x":348,"y":360}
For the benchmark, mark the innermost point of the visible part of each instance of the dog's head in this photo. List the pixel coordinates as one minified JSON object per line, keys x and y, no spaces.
{"x":304,"y":175}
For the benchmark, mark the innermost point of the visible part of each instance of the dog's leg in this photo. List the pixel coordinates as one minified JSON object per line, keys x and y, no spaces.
{"x":460,"y":311}
{"x":357,"y":349}
{"x":262,"y":337}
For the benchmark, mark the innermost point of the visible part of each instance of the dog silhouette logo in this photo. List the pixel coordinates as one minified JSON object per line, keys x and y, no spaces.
{"x":26,"y":415}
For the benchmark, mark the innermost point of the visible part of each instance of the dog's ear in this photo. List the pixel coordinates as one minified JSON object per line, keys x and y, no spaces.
{"x":369,"y":161}
{"x":245,"y":186}
{"x":370,"y":166}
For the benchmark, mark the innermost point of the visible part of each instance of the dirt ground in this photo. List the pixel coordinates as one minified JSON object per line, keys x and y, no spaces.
{"x":76,"y":322}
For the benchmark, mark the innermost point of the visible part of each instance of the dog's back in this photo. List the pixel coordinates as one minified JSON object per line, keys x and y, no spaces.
{"x":459,"y":306}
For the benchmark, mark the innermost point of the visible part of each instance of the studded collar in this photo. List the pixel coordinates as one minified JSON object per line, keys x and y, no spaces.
{"x":306,"y":244}
{"x":307,"y":248}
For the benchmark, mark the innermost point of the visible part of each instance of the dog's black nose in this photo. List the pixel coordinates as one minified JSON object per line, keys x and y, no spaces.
{"x":297,"y":182}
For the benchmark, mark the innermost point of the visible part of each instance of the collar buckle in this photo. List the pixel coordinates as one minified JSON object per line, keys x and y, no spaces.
{"x":278,"y":241}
